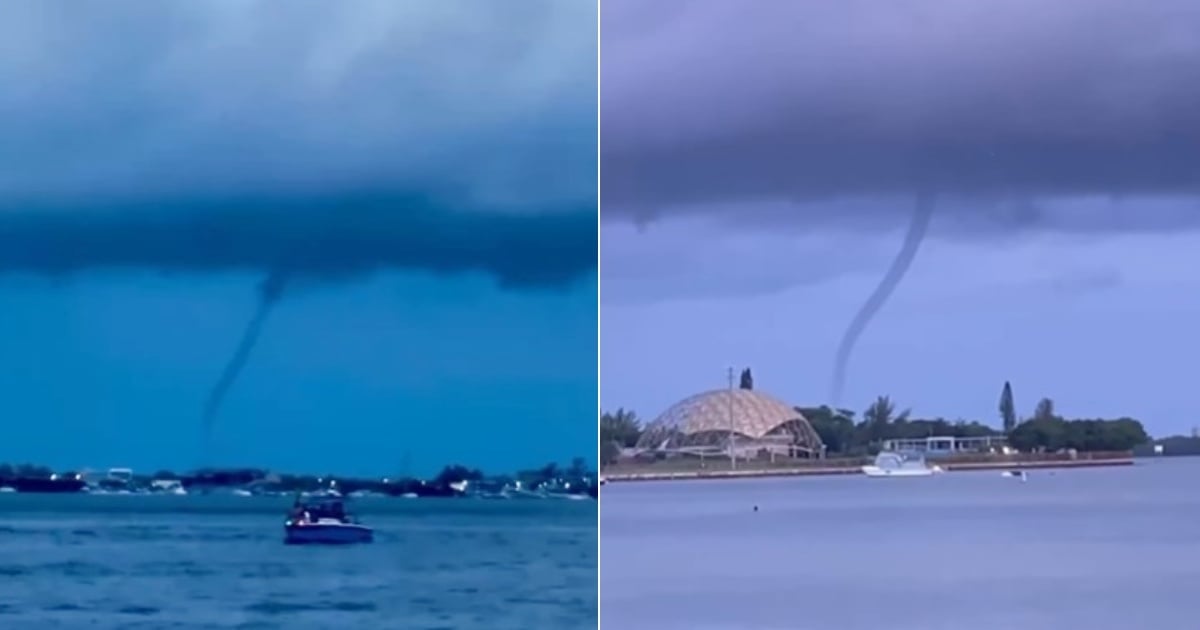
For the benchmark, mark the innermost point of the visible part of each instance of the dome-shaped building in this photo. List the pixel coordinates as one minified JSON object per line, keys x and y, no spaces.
{"x":757,"y":422}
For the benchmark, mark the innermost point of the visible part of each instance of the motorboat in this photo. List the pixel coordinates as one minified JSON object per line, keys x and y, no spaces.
{"x":892,"y":464}
{"x":323,"y":521}
{"x":167,"y":486}
{"x":1015,"y":474}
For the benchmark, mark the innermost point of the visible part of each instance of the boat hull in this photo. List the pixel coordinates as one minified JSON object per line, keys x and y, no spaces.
{"x":320,"y":534}
{"x":876,"y":471}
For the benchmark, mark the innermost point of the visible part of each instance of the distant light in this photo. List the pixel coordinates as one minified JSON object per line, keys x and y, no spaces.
{"x":54,"y":477}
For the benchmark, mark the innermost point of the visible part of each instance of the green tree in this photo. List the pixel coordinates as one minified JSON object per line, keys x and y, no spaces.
{"x":33,"y":471}
{"x":1039,"y":434}
{"x":1054,"y":433}
{"x":621,"y":426}
{"x":1008,"y":411}
{"x":879,"y":418}
{"x":834,"y":426}
{"x":747,"y":379}
{"x":880,"y":412}
{"x":609,"y":453}
{"x":455,"y":473}
{"x":578,"y":468}
{"x":1044,"y":410}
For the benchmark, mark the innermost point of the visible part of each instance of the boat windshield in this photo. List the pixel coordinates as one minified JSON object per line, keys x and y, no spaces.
{"x":896,"y":460}
{"x":322,"y":508}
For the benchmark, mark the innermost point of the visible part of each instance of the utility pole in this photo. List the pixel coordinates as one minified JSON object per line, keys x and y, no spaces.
{"x":732,"y":452}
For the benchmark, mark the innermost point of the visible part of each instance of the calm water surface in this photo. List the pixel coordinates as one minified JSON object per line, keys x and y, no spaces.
{"x":1100,"y":549}
{"x":219,"y":562}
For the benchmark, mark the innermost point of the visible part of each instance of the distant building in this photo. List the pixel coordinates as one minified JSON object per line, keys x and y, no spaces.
{"x":946,"y":445}
{"x":750,"y":422}
{"x":120,"y":475}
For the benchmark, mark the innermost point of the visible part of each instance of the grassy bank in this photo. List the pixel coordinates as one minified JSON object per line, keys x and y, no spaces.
{"x":712,"y":468}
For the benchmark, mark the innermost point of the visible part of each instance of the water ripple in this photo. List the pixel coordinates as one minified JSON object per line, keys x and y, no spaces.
{"x":156,"y":569}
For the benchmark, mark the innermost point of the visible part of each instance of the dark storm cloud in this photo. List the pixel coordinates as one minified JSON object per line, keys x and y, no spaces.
{"x":710,"y":105}
{"x":323,"y":239}
{"x":242,"y":135}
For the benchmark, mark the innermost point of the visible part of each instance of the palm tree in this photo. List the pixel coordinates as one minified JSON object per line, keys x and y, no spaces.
{"x":883,"y":412}
{"x":879,"y":415}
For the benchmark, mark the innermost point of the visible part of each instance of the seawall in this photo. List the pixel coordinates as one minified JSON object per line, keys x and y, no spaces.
{"x":646,"y":473}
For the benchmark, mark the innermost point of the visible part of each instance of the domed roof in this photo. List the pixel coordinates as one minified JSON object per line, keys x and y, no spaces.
{"x":744,"y":412}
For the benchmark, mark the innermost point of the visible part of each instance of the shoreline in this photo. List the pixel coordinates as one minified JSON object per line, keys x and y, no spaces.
{"x":828,"y":471}
{"x":454,"y":481}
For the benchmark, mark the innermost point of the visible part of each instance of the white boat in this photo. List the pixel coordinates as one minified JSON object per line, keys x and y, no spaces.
{"x":324,"y":521}
{"x":327,"y":531}
{"x":891,"y":464}
{"x":168,"y":486}
{"x":1015,"y":474}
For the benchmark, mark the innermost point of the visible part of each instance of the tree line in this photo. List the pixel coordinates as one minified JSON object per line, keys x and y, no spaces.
{"x":1045,"y":430}
{"x":575,"y":471}
{"x":846,"y":434}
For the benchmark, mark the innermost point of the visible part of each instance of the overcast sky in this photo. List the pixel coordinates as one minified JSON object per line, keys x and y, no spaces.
{"x":760,"y":166}
{"x":424,"y":173}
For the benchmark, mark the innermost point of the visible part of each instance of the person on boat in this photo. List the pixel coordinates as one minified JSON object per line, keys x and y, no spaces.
{"x":297,"y":512}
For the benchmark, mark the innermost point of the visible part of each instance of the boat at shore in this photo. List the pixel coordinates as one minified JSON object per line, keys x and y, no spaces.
{"x":1015,"y":474}
{"x":323,"y":520}
{"x":893,"y":464}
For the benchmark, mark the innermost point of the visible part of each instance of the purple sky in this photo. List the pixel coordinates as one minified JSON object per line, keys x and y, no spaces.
{"x":760,"y":165}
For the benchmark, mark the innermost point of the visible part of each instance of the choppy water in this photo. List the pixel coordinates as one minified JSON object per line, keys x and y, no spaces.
{"x":219,"y":562}
{"x":1101,"y":549}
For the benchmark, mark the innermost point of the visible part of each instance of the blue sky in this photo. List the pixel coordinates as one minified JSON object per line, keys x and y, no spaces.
{"x":424,"y":173}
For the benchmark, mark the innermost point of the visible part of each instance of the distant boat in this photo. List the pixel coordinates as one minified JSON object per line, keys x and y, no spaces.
{"x":1015,"y":474}
{"x":565,"y":496}
{"x":892,"y":464}
{"x":323,"y":521}
{"x":167,"y":486}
